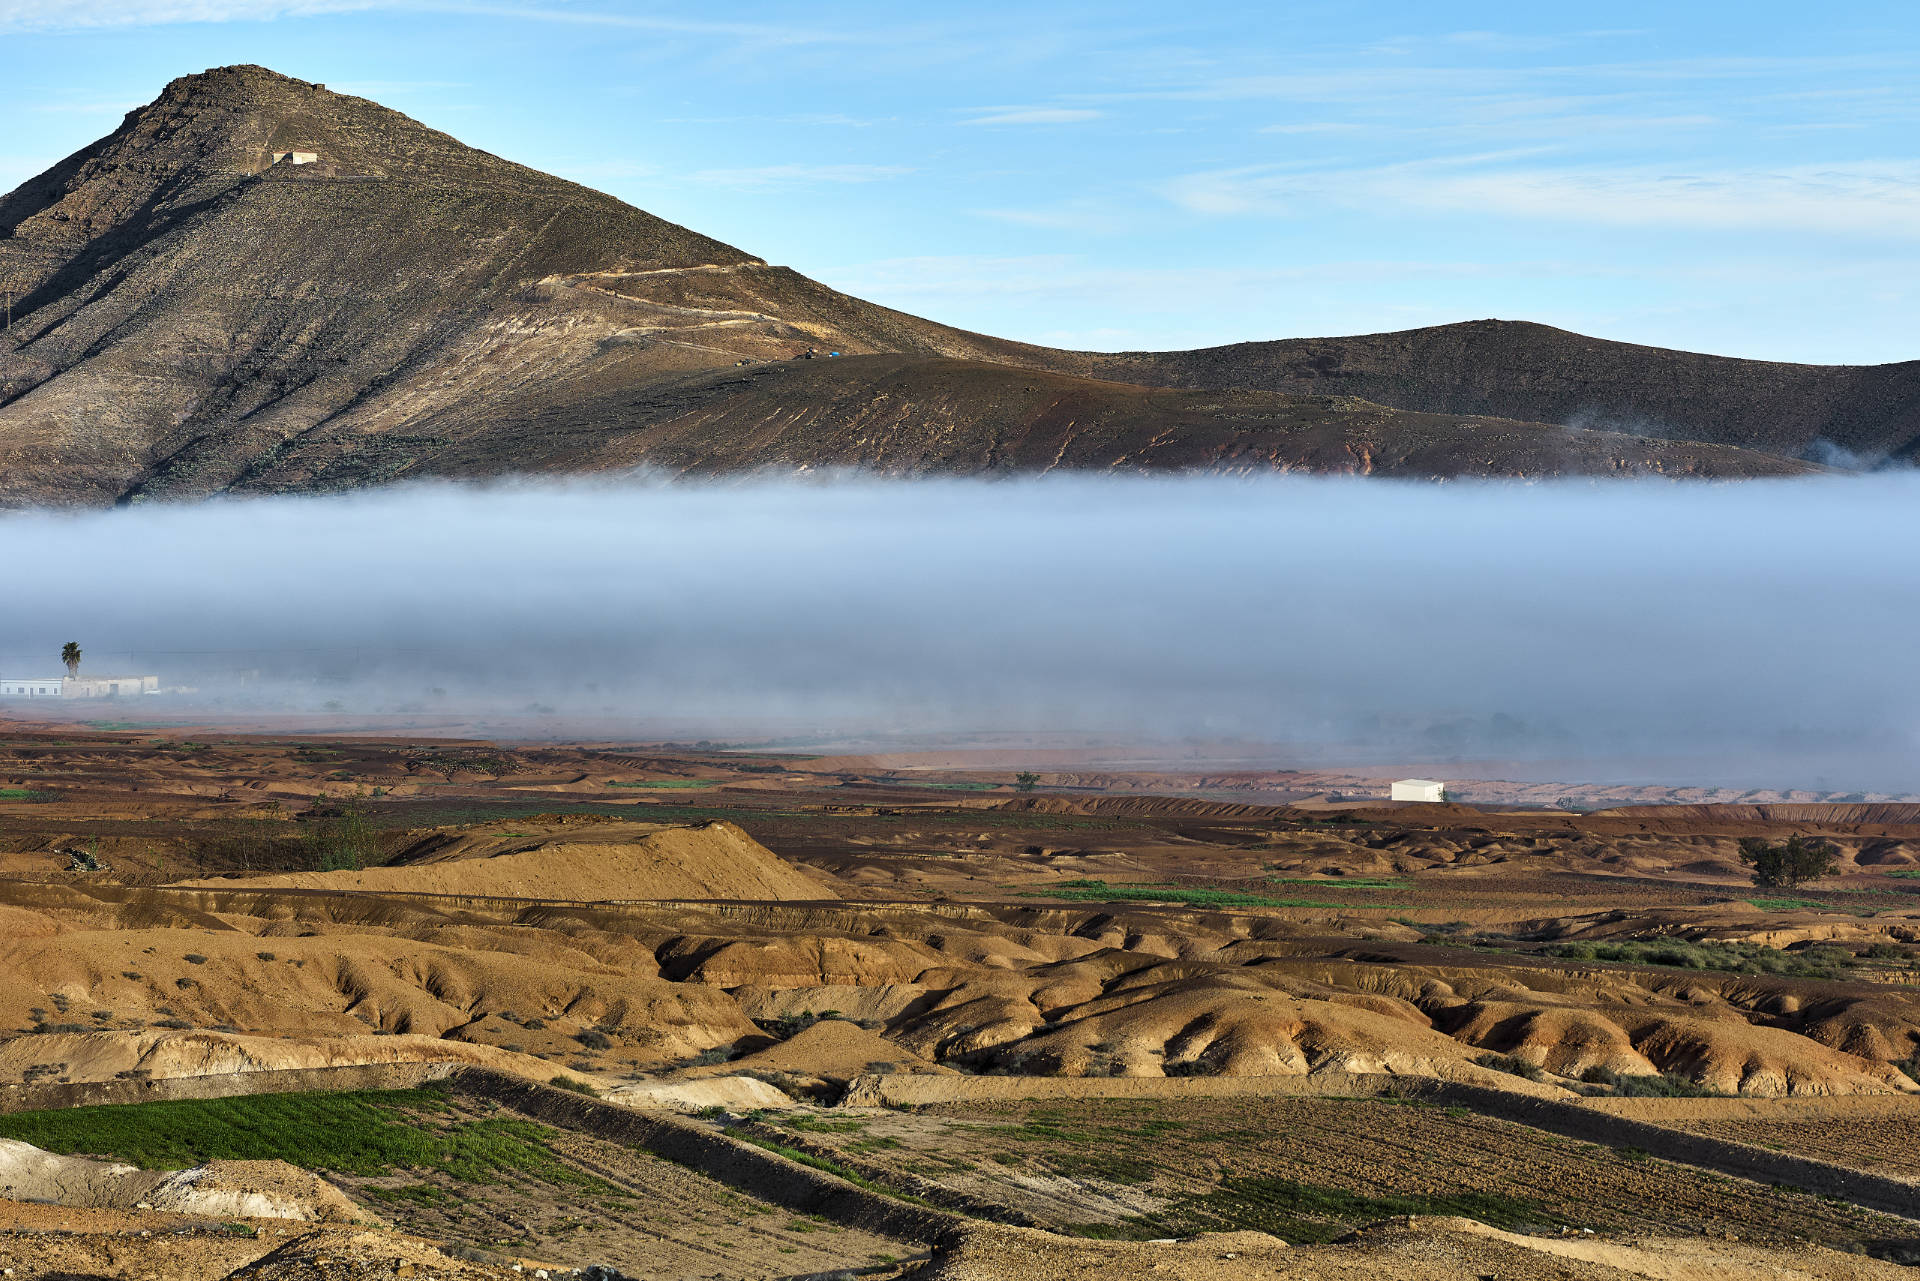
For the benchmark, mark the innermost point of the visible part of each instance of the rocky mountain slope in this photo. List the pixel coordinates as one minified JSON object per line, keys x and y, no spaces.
{"x":1516,"y":370}
{"x":258,"y":285}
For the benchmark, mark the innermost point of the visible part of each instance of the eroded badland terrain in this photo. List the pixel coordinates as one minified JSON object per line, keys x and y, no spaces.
{"x":304,"y":1007}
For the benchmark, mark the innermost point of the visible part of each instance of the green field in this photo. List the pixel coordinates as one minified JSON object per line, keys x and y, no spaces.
{"x":367,"y":1133}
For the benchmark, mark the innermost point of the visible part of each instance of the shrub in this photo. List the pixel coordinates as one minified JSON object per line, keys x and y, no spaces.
{"x":1510,"y":1064}
{"x":594,"y":1039}
{"x":1786,"y":865}
{"x":574,"y":1084}
{"x":1663,"y":1085}
{"x":194,"y":958}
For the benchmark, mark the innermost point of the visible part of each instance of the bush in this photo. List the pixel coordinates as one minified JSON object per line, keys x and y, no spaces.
{"x":1664,"y":1085}
{"x":1511,"y":1065}
{"x":194,"y":958}
{"x":1786,"y":865}
{"x":574,"y":1084}
{"x":594,"y":1039}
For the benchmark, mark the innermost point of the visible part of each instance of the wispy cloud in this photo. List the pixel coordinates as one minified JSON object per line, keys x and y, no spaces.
{"x":1881,"y":199}
{"x":1037,"y":116}
{"x":73,"y":15}
{"x":1101,"y":220}
{"x":57,"y":15}
{"x":797,"y":175}
{"x":1317,"y":126}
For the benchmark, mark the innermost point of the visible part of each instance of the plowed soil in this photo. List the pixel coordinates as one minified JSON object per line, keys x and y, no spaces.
{"x":1310,"y":1170}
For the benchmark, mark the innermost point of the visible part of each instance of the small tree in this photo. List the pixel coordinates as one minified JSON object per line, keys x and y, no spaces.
{"x":70,"y":655}
{"x":1787,"y":865}
{"x":1025,"y":780}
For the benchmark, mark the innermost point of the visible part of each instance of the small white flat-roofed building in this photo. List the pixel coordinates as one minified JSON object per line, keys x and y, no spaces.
{"x":296,"y":157}
{"x":109,"y":686}
{"x":1419,"y":789}
{"x":31,"y":686}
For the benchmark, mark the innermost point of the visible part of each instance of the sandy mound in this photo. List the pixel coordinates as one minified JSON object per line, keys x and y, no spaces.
{"x":52,"y":1243}
{"x":736,"y":1093}
{"x":831,"y":1050}
{"x":224,"y":1189}
{"x":103,"y":1056}
{"x":710,"y":861}
{"x":1420,"y":1249}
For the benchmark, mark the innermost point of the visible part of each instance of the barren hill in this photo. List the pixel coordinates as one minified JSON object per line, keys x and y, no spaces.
{"x":1511,"y":369}
{"x":610,"y":862}
{"x":256,"y":284}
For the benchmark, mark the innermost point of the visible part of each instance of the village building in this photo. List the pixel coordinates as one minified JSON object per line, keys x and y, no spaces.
{"x":296,"y":157}
{"x":30,"y":686}
{"x":108,"y":686}
{"x":1419,"y":789}
{"x":77,"y":686}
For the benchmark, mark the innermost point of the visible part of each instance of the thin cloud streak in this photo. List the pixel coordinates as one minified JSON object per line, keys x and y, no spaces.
{"x":1870,"y":199}
{"x":1038,"y":116}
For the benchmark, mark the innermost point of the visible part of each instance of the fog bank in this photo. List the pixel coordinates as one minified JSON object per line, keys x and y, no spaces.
{"x":1766,"y":620}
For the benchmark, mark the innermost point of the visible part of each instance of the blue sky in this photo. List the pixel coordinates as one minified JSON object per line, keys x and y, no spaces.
{"x":1718,"y":176}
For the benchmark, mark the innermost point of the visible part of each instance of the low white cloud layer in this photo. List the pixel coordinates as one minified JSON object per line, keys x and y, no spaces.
{"x":1760,"y":631}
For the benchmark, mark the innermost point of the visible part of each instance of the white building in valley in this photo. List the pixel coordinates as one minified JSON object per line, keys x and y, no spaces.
{"x":12,"y":687}
{"x":1419,"y":789}
{"x":30,"y":686}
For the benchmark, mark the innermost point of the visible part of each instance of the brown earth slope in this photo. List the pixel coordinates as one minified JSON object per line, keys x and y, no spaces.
{"x":193,"y":317}
{"x":1513,"y":369}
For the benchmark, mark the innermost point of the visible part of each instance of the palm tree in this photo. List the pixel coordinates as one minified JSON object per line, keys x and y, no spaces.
{"x":70,"y":655}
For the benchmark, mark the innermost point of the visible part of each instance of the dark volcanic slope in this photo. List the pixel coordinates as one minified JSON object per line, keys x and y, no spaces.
{"x":195,"y":318}
{"x":1518,"y":370}
{"x":906,"y":415}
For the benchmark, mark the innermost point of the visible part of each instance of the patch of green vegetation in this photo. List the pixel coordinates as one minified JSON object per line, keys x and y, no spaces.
{"x":1733,"y":958}
{"x":657,"y":783}
{"x":1661,"y":1086}
{"x":369,"y":1133}
{"x":1308,"y":1213}
{"x":1085,"y":891}
{"x":942,"y":787}
{"x":25,"y":794}
{"x":125,"y":725}
{"x":1904,"y":873}
{"x":830,"y":1167}
{"x":1785,"y":904}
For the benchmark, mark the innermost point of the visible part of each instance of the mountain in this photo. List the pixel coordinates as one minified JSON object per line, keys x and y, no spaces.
{"x":1518,"y":370}
{"x":258,"y":285}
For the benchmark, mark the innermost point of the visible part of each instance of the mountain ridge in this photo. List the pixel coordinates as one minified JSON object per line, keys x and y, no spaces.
{"x":194,"y":316}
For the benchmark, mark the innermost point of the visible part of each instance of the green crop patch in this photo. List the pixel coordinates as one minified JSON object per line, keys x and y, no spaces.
{"x":24,"y":794}
{"x":366,"y":1133}
{"x":1730,"y":957}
